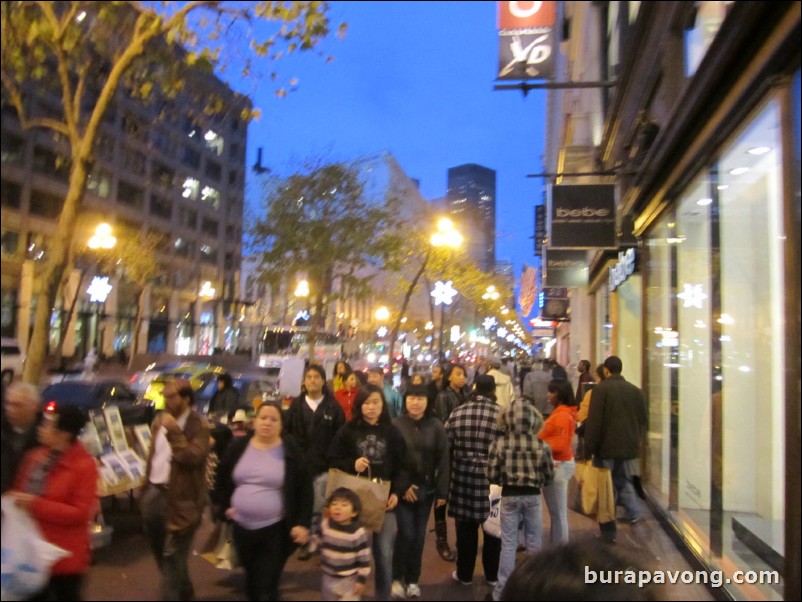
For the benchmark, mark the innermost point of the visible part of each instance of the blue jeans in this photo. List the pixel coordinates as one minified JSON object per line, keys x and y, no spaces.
{"x":318,"y":501}
{"x":556,"y":496}
{"x":383,"y":543}
{"x":514,"y":509}
{"x":622,"y":471}
{"x":412,"y":520}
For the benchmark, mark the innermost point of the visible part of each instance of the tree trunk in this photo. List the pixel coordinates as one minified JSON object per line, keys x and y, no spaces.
{"x":49,"y":280}
{"x":69,"y":314}
{"x":137,"y":327}
{"x":407,"y":297}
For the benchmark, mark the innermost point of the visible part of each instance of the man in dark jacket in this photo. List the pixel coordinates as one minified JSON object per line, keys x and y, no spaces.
{"x":313,"y":418}
{"x":614,"y":430}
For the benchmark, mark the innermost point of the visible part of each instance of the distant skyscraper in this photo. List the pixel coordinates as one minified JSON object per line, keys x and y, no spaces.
{"x":472,"y":203}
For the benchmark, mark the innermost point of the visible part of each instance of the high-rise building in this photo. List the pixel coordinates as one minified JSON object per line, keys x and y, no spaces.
{"x":472,"y":204}
{"x":165,"y":168}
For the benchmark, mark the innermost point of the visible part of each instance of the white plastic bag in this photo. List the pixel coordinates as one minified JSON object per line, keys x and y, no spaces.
{"x":492,"y":525}
{"x":26,"y":557}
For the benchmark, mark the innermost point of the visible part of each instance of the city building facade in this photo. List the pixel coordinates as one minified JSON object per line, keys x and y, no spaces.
{"x":691,"y":112}
{"x":471,"y":202}
{"x":165,"y":168}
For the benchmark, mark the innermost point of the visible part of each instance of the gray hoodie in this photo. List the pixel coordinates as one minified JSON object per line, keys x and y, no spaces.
{"x":518,"y":458}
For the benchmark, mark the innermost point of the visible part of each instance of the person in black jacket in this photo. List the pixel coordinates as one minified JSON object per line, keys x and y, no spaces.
{"x":313,"y":419}
{"x":614,"y":431}
{"x":427,"y":465}
{"x":370,"y":441}
{"x":264,"y":487}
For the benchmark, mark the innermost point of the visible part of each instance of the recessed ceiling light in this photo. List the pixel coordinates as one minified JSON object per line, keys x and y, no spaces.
{"x":758,"y":150}
{"x":704,"y":202}
{"x":723,"y":186}
{"x":739,"y":171}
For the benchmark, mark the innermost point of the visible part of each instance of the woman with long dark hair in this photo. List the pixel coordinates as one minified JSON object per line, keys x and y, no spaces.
{"x":370,"y":441}
{"x":426,"y":463}
{"x":558,"y":431}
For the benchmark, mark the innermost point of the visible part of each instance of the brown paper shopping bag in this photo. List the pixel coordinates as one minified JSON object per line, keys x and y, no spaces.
{"x":598,"y":495}
{"x":372,"y":493}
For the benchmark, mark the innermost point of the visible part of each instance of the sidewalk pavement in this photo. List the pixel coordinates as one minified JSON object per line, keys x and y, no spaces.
{"x":126,"y":571}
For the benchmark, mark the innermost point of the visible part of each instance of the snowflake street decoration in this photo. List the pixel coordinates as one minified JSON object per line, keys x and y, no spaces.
{"x":382,"y":332}
{"x":489,"y":322}
{"x":502,"y":332}
{"x":692,"y":295}
{"x":99,"y":289}
{"x":443,"y":293}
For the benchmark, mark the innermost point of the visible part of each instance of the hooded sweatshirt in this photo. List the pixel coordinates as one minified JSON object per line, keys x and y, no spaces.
{"x":519,"y":461}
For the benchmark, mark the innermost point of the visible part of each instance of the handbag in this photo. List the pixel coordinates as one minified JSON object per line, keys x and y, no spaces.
{"x":27,"y":557}
{"x":221,"y":552}
{"x":372,"y":494}
{"x":598,"y":495}
{"x":492,"y":524}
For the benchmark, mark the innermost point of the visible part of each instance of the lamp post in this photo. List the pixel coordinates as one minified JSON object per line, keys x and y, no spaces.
{"x":443,"y":293}
{"x":99,"y":288}
{"x":446,"y":235}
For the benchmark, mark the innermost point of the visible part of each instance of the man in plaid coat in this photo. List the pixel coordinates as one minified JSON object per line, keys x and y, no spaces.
{"x":471,"y":428}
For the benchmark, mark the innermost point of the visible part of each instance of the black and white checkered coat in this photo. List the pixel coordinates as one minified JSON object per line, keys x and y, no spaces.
{"x":471,"y":428}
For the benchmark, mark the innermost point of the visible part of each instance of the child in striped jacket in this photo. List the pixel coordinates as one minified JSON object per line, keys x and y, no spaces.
{"x":344,"y":548}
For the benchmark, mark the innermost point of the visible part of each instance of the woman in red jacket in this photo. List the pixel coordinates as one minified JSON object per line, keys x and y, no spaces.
{"x":57,"y":484}
{"x":346,"y":395}
{"x":558,"y":431}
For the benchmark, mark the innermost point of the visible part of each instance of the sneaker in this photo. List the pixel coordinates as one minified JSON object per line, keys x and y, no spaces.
{"x":456,"y":578}
{"x":413,"y":591}
{"x":491,"y":582}
{"x":397,"y":591}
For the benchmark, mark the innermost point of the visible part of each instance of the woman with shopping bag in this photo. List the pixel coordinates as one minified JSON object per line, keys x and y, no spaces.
{"x":57,"y":485}
{"x":369,"y":441}
{"x":264,"y":487}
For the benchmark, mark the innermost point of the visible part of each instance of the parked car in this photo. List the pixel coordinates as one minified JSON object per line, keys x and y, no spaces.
{"x":97,"y":395}
{"x":202,"y":377}
{"x":11,"y":360}
{"x":140,"y":381}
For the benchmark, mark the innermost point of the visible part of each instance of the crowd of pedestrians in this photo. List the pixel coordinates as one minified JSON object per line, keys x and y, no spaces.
{"x":439,"y":446}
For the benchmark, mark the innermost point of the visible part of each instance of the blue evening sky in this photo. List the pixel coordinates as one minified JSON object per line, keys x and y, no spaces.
{"x":415,"y":79}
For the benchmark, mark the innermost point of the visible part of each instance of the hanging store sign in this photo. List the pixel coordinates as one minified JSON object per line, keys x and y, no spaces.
{"x":565,"y":268}
{"x":526,"y":39}
{"x":583,"y":216}
{"x":555,"y":304}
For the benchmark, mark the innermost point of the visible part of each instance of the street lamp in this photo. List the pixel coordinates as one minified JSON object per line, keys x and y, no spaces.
{"x":443,"y":293}
{"x":99,"y":288}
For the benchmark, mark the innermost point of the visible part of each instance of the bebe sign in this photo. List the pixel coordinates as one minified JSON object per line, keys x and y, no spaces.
{"x":584,"y":212}
{"x":583,"y":216}
{"x":623,"y":269}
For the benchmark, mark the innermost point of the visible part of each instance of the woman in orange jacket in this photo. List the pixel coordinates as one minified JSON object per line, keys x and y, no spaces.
{"x":558,"y":431}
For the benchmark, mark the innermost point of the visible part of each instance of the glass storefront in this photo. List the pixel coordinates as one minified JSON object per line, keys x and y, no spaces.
{"x":716,"y":360}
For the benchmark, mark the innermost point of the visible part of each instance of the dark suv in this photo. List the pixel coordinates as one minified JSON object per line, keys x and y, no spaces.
{"x":99,"y":394}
